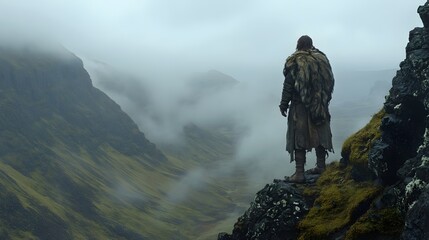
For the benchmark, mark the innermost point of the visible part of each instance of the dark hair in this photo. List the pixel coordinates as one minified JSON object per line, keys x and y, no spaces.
{"x":304,"y":43}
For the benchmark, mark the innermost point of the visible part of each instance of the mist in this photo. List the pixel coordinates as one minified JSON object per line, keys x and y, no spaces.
{"x":144,"y":54}
{"x":250,"y":107}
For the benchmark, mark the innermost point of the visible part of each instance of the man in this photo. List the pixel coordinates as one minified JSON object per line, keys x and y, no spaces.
{"x":308,"y":87}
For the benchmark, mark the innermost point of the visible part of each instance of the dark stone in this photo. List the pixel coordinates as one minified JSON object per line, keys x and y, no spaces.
{"x":422,"y":173}
{"x":418,"y":39}
{"x":376,"y":160}
{"x":424,"y":14}
{"x":392,"y":197}
{"x":417,"y":220}
{"x":223,"y":236}
{"x":407,"y":170}
{"x":274,"y":214}
{"x":402,"y":134}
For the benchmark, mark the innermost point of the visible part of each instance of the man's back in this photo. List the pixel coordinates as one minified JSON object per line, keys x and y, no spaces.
{"x":313,"y":81}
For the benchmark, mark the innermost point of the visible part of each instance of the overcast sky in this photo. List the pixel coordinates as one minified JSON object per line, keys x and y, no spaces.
{"x":247,"y":39}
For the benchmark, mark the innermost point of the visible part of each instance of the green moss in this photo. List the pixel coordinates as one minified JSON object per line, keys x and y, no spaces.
{"x":357,"y":146}
{"x":385,"y":222}
{"x":339,"y":201}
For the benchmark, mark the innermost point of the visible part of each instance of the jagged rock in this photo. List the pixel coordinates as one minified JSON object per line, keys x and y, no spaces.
{"x":401,"y":155}
{"x":274,"y":214}
{"x":406,"y":111}
{"x":424,"y":14}
{"x":402,"y":131}
{"x":417,"y":223}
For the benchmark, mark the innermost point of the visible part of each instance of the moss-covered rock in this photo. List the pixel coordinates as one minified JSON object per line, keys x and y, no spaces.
{"x":388,"y":223}
{"x":356,"y":148}
{"x":340,"y":201}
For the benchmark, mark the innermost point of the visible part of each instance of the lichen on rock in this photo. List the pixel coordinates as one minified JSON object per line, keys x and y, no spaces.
{"x":274,"y":214}
{"x":416,"y":225}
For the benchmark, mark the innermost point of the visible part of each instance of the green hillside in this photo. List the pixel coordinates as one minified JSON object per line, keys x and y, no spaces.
{"x":66,"y":150}
{"x":73,"y":165}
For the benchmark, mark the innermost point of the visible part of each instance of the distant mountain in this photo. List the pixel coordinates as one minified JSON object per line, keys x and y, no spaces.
{"x":205,"y":84}
{"x":212,"y":80}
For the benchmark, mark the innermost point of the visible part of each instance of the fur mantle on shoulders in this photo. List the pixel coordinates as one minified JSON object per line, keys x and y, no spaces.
{"x":314,"y":81}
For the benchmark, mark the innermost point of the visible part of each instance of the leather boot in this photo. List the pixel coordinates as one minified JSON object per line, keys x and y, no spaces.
{"x":320,"y":164}
{"x":298,"y":176}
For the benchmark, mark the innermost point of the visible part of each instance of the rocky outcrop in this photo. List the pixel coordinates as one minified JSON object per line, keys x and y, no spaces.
{"x":274,"y":214}
{"x":401,"y":155}
{"x":406,"y":109}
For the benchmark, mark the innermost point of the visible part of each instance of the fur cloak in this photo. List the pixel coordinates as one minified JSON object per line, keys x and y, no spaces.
{"x":308,"y":87}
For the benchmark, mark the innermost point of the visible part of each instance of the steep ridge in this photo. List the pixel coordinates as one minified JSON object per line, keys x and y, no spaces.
{"x":72,"y":164}
{"x":379,"y":189}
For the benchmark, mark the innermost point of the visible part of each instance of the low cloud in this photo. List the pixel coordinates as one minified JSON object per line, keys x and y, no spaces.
{"x":162,"y":112}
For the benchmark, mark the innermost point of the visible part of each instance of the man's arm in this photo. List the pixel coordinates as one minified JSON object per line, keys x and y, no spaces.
{"x":288,"y":86}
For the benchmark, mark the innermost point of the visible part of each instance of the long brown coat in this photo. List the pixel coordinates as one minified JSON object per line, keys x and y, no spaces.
{"x":308,"y":88}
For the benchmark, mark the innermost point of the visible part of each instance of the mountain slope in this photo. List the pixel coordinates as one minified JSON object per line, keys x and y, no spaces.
{"x":72,"y":164}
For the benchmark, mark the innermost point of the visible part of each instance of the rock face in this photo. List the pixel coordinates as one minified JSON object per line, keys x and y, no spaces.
{"x":401,"y":155}
{"x":274,"y":214}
